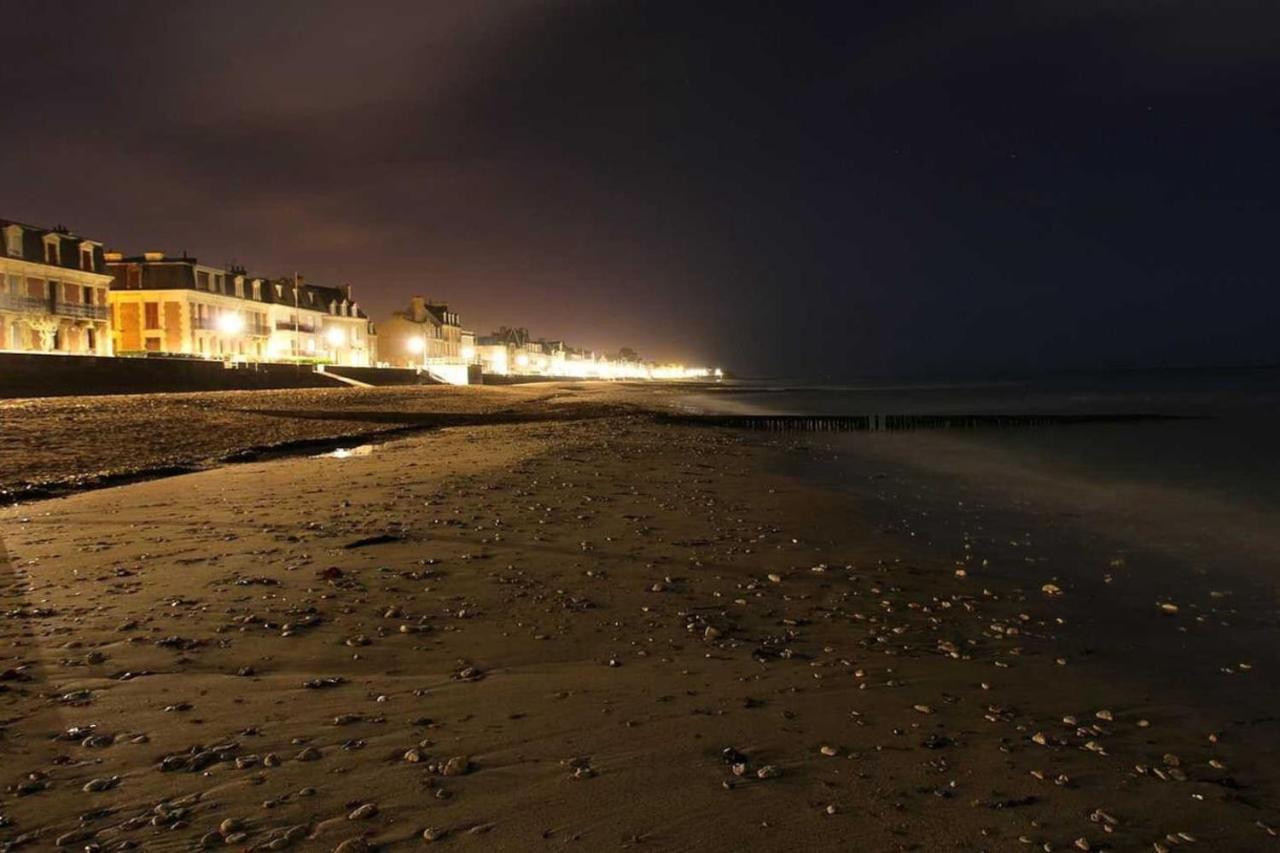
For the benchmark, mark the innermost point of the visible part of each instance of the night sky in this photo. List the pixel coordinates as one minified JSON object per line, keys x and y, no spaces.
{"x":801,"y":189}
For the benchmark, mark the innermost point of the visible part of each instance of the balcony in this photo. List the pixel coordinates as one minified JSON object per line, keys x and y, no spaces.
{"x":211,"y":324}
{"x":303,"y":328}
{"x":25,"y":304}
{"x":81,"y":310}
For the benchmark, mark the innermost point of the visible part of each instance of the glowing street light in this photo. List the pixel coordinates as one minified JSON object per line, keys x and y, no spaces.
{"x":230,"y":324}
{"x":416,"y":345}
{"x":468,"y":353}
{"x":336,"y":337}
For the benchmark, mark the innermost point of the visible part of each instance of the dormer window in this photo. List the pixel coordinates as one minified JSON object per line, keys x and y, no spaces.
{"x":52,"y":250}
{"x":86,"y":257}
{"x":13,"y":240}
{"x":257,"y":290}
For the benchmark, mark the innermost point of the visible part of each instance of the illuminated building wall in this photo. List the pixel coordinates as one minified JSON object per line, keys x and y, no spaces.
{"x":53,"y":292}
{"x":177,"y":306}
{"x":426,"y":333}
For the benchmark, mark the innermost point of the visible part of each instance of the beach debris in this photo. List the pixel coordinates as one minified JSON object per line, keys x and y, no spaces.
{"x":101,"y":784}
{"x":457,"y":766}
{"x":353,"y":845}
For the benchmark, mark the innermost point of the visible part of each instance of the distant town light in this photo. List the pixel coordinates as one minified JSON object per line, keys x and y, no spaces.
{"x":468,"y":353}
{"x":415,"y":345}
{"x":522,"y":360}
{"x":231,"y":324}
{"x":335,"y":336}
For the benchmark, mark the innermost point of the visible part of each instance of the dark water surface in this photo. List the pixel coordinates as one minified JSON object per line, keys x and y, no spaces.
{"x":1228,"y":446}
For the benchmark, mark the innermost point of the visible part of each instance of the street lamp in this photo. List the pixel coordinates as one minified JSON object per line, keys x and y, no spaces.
{"x":418,"y":346}
{"x":230,"y":324}
{"x":336,"y":338}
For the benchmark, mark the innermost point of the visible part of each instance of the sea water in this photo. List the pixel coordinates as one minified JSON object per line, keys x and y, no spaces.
{"x":1225,"y":442}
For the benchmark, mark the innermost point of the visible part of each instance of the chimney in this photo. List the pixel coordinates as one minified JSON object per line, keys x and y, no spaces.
{"x":418,"y":308}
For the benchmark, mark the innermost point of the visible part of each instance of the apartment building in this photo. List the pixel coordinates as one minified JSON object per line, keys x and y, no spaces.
{"x":53,"y":292}
{"x":178,"y":306}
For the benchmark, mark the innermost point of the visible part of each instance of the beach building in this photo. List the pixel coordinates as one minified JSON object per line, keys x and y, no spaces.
{"x":53,"y":292}
{"x":425,"y":335}
{"x":505,"y":352}
{"x":178,"y":306}
{"x":468,"y":348}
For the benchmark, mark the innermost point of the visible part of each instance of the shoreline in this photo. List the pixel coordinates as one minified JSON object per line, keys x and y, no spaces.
{"x":591,"y":615}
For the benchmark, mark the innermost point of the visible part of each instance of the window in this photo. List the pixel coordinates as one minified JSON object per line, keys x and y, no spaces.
{"x":218,"y":284}
{"x":86,"y":258}
{"x":13,"y":240}
{"x":257,"y":290}
{"x":51,"y":255}
{"x":92,"y":340}
{"x":152,"y":312}
{"x":86,"y":294}
{"x":133,"y":277}
{"x":15,"y":284}
{"x":202,"y":281}
{"x":240,"y":287}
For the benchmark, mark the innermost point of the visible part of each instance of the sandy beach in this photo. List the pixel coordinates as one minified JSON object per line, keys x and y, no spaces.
{"x":532,"y":618}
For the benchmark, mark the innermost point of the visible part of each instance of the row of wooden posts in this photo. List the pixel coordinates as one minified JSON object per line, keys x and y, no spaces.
{"x":879,"y":423}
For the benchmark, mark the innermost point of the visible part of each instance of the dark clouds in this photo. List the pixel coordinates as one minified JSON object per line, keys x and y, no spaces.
{"x":796,"y":188}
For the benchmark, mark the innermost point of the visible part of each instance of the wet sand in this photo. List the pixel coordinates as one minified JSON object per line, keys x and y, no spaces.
{"x":594,"y":633}
{"x":58,"y":445}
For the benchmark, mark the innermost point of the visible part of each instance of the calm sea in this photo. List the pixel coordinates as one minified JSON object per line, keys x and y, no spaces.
{"x":1229,"y":442}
